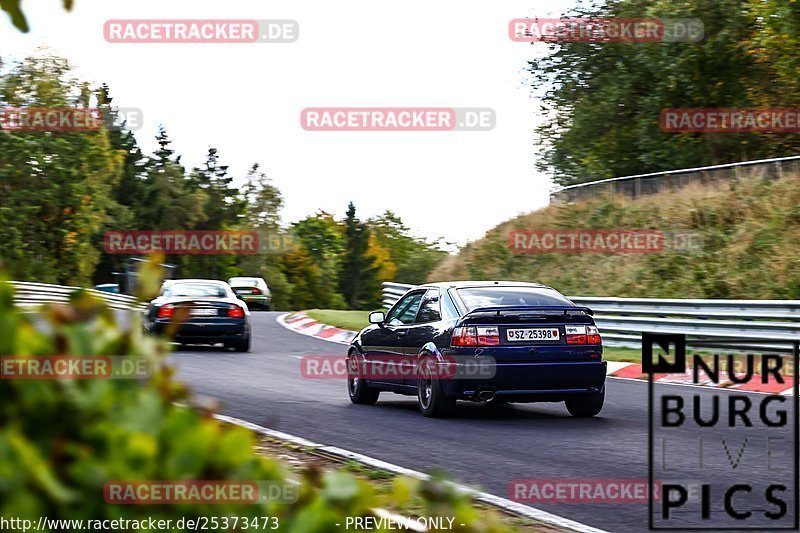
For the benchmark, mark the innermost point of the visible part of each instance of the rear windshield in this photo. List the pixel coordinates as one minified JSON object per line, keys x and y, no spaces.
{"x":195,"y":289}
{"x":477,"y":297}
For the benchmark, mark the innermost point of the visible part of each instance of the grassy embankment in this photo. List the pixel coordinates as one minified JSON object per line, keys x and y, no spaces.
{"x":749,"y":231}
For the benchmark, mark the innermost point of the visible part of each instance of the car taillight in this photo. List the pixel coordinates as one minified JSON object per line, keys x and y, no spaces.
{"x":476,"y":336}
{"x":593,"y":335}
{"x":165,"y":311}
{"x":583,"y":335}
{"x":488,"y":336}
{"x":464,"y":337}
{"x":234,"y":311}
{"x":256,"y":291}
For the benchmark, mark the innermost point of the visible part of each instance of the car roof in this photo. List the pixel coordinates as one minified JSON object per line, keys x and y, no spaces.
{"x":480,"y":284}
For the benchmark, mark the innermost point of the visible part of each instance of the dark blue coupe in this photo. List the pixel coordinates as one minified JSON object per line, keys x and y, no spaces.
{"x":482,"y":341}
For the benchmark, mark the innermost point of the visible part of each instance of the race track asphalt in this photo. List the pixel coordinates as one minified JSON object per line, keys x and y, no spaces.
{"x":485,"y":446}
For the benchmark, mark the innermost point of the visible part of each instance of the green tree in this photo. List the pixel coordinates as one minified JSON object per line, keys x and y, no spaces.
{"x":225,"y":204}
{"x":322,"y":238}
{"x":602,"y":100}
{"x":222,"y":210}
{"x":358,"y":277}
{"x":127,"y":192}
{"x":773,"y":46}
{"x":168,"y":201}
{"x":56,"y":187}
{"x":263,"y":202}
{"x":304,"y":277}
{"x":414,"y":258}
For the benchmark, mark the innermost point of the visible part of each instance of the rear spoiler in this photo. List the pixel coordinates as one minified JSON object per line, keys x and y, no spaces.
{"x":566,"y":309}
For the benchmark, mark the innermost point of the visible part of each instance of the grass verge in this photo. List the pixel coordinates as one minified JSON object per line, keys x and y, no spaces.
{"x":353,"y":320}
{"x":618,"y":353}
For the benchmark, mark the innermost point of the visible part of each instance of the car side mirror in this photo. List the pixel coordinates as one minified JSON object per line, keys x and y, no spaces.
{"x":377,"y":317}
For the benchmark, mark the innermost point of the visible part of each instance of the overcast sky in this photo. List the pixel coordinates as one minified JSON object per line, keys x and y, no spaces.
{"x":246,"y":99}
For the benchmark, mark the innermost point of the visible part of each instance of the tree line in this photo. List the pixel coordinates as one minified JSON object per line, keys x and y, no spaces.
{"x":61,"y":191}
{"x":601,"y":100}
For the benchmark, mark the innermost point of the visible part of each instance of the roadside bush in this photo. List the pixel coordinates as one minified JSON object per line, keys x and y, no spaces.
{"x":62,"y":440}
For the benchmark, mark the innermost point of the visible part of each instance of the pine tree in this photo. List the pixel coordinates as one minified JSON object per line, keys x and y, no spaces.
{"x":358,"y":277}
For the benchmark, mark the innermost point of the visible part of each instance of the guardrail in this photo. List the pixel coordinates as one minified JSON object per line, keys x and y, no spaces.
{"x":654,"y":182}
{"x":28,"y":294}
{"x":393,"y":291}
{"x":737,"y":325}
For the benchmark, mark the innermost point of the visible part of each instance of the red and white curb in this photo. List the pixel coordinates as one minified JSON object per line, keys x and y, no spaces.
{"x":634,"y":371}
{"x":302,"y":323}
{"x":483,"y":497}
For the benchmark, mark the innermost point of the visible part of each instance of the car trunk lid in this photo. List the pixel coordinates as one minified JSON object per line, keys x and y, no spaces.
{"x":531,"y":334}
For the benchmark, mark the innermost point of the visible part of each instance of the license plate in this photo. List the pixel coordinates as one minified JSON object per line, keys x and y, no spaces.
{"x":243,"y":291}
{"x":532,"y":334}
{"x":204,"y":312}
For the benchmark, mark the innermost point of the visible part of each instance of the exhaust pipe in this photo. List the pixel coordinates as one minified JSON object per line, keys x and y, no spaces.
{"x":486,"y":395}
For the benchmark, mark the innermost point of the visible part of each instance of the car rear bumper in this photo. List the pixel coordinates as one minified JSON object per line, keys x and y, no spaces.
{"x":551,"y":381}
{"x":205,"y":332}
{"x":258,"y":300}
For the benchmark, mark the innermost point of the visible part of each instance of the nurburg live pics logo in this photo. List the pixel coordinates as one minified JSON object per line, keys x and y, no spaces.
{"x":726,"y":460}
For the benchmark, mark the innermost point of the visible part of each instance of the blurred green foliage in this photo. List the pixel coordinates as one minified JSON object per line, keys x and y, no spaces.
{"x":14,"y":10}
{"x":62,"y":440}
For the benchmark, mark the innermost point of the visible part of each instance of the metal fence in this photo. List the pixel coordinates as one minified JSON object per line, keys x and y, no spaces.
{"x":737,"y":325}
{"x":28,"y":294}
{"x":644,"y":184}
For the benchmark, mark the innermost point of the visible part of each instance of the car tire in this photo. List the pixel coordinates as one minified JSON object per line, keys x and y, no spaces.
{"x":431,"y":398}
{"x":360,"y":393}
{"x":242,"y":345}
{"x":586,"y":406}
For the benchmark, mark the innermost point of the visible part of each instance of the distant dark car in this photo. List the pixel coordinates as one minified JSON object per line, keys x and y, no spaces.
{"x":203,"y":311}
{"x":498,"y":342}
{"x":253,"y":291}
